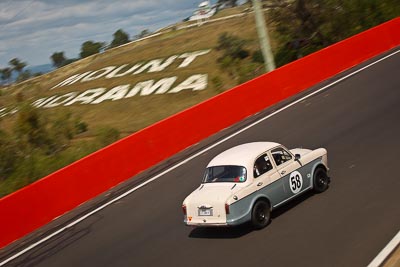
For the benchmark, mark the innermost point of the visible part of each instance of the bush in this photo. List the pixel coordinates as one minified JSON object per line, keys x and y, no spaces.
{"x":258,"y":57}
{"x":232,"y":46}
{"x":217,"y":82}
{"x":248,"y":71}
{"x":107,"y":135}
{"x":30,"y":128}
{"x":285,"y":55}
{"x":8,"y":156}
{"x":80,"y":127}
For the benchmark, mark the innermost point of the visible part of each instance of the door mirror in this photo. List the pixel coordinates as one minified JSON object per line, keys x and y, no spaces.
{"x":297,"y":156}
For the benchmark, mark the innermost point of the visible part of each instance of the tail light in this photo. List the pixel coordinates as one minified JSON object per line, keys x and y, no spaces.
{"x":184,"y":209}
{"x":226,"y":208}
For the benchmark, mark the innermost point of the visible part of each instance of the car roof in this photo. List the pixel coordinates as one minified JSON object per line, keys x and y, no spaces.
{"x":242,"y":155}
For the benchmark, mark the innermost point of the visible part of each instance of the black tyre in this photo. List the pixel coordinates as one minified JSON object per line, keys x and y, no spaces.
{"x":321,"y":180}
{"x":261,"y":214}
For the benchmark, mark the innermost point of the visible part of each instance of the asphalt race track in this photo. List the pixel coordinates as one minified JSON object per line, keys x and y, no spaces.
{"x":357,"y":120}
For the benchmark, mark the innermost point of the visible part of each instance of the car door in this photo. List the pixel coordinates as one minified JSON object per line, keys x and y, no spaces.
{"x":292,"y":174}
{"x":267,"y":179}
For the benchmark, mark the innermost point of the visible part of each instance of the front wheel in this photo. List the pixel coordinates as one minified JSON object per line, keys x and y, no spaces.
{"x":321,"y":180}
{"x":261,"y":214}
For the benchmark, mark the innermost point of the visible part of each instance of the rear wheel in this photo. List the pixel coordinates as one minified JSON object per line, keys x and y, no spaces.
{"x":261,"y":214}
{"x":321,"y":180}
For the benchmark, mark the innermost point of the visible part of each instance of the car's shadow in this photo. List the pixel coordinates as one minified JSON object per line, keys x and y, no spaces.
{"x":244,"y":229}
{"x":291,"y":204}
{"x":221,"y":232}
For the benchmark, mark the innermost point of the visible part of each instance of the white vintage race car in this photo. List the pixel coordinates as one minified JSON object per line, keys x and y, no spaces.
{"x":245,"y":183}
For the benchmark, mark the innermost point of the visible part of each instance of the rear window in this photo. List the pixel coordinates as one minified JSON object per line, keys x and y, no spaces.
{"x":228,"y":173}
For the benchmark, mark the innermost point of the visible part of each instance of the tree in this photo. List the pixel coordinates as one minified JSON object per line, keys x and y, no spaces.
{"x":304,"y":26}
{"x":25,"y":75}
{"x":50,"y":135}
{"x":360,"y":15}
{"x":8,"y":155}
{"x":6,"y":74}
{"x":232,"y":46}
{"x":58,"y":59}
{"x":120,"y":38}
{"x":107,"y":135}
{"x":30,"y":127}
{"x":70,"y":60}
{"x":17,"y":65}
{"x":142,"y":34}
{"x":90,"y":48}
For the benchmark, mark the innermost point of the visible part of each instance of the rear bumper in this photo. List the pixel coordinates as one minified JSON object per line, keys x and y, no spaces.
{"x":203,"y":223}
{"x":214,"y":224}
{"x":206,"y":224}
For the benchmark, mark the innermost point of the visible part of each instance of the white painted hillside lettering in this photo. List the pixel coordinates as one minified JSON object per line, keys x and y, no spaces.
{"x":189,"y":57}
{"x":71,"y":80}
{"x":152,"y":66}
{"x":115,"y":93}
{"x":98,"y":95}
{"x":194,"y":82}
{"x":60,"y":100}
{"x":95,"y":96}
{"x":156,"y":65}
{"x":117,"y":72}
{"x":98,"y":74}
{"x":3,"y":112}
{"x":148,"y":87}
{"x":87,"y":97}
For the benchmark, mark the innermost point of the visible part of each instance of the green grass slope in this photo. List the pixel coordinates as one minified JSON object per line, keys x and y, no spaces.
{"x":131,"y":114}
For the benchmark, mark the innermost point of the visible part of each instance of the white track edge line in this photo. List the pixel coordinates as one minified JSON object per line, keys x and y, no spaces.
{"x":190,"y":158}
{"x":386,"y":251}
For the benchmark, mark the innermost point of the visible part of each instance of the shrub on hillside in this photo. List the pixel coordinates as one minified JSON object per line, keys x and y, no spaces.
{"x":107,"y":135}
{"x":217,"y":82}
{"x":232,"y":46}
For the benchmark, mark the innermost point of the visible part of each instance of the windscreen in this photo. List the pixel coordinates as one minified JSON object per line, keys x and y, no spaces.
{"x":228,"y":173}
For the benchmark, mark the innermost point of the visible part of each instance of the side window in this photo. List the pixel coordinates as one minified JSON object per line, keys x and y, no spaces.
{"x":280,"y":155}
{"x":262,"y":165}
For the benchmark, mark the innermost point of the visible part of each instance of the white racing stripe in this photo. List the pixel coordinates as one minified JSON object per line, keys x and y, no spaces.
{"x":386,"y":251}
{"x":187,"y":160}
